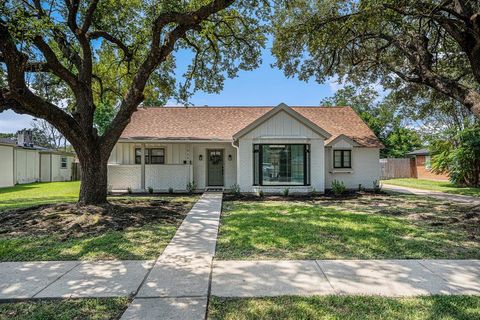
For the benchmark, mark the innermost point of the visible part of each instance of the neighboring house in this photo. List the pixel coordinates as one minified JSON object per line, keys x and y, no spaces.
{"x":23,"y":162}
{"x":422,"y":166}
{"x":258,"y":148}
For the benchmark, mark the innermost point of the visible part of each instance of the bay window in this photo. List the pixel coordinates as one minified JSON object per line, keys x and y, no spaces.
{"x":281,"y":164}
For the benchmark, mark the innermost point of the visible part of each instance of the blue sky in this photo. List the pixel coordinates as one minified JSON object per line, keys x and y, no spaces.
{"x":263,"y":86}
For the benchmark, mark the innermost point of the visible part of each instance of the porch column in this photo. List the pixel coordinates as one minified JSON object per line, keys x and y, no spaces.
{"x":142,"y":178}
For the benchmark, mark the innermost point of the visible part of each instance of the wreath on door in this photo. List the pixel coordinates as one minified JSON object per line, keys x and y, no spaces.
{"x":215,"y":159}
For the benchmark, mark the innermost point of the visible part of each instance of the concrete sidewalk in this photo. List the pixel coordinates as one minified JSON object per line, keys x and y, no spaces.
{"x":66,"y":279}
{"x":434,"y":194}
{"x":178,"y":285}
{"x":347,"y":277}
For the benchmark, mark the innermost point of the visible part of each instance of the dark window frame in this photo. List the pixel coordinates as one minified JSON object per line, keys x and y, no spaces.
{"x":258,"y":148}
{"x":148,"y":156}
{"x":63,"y":164}
{"x":342,"y":164}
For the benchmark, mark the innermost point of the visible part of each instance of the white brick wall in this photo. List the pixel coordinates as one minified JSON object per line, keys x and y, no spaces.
{"x":365,"y":168}
{"x":163,"y":177}
{"x":122,"y":177}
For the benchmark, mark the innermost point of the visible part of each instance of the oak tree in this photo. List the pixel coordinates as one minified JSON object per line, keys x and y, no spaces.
{"x":107,"y":57}
{"x":419,"y":44}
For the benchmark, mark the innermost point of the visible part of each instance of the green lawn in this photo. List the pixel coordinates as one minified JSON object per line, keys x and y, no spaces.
{"x":68,"y":309}
{"x":53,"y":234}
{"x":346,"y":307}
{"x":370,"y":227}
{"x":26,"y":195}
{"x":442,"y":186}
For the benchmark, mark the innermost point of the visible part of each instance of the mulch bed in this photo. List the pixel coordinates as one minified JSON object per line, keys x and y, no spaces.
{"x":71,"y":221}
{"x":328,"y":195}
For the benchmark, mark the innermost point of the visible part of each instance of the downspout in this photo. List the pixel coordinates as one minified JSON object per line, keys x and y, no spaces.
{"x":14,"y":166}
{"x":235,"y":144}
{"x":142,"y":183}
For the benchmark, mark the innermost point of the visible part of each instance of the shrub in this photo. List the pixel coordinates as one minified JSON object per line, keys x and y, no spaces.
{"x":129,"y":190}
{"x":338,"y":187}
{"x":285,"y":192}
{"x":170,"y":190}
{"x":377,"y":186}
{"x":191,"y":187}
{"x":458,"y":155}
{"x":150,"y":190}
{"x":235,"y":189}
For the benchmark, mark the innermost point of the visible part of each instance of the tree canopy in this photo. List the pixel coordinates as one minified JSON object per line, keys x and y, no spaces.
{"x":383,"y":116}
{"x":412,"y":46}
{"x":99,"y":60}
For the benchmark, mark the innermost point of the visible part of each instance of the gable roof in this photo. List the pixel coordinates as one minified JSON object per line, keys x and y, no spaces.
{"x":282,"y":107}
{"x":331,"y":142}
{"x":222,"y":123}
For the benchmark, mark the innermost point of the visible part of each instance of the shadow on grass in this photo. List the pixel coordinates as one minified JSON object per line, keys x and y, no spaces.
{"x":346,"y":307}
{"x":300,"y":231}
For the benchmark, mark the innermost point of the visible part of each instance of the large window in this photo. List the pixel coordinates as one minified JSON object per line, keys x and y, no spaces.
{"x":152,"y":156}
{"x":281,"y":164}
{"x":342,"y":158}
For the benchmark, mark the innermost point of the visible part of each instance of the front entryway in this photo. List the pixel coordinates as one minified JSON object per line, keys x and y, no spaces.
{"x":215,"y":168}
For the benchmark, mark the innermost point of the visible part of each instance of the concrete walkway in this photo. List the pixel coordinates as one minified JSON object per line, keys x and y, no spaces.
{"x":433,"y":194}
{"x":178,"y":285}
{"x":349,"y":277}
{"x":66,"y":279}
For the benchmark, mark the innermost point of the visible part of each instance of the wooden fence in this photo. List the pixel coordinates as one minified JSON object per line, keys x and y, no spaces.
{"x":76,"y":171}
{"x":396,"y":168}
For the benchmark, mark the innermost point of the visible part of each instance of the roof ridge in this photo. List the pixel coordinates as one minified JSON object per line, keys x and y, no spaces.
{"x":239,"y":107}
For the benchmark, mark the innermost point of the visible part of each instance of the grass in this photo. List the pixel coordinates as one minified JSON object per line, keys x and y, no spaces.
{"x":346,"y":307}
{"x":369,"y":227}
{"x":32,"y":194}
{"x":94,"y":309}
{"x":434,"y":185}
{"x":141,"y":243}
{"x":136,"y":242}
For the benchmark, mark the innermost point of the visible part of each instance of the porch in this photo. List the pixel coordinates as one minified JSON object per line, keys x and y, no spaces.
{"x":138,"y":166}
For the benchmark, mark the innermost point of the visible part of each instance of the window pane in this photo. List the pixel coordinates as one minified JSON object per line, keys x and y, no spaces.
{"x":283,"y":164}
{"x":157,"y":152}
{"x":147,"y":156}
{"x":346,"y":159}
{"x":157,"y":156}
{"x":337,"y":159}
{"x":138,"y":156}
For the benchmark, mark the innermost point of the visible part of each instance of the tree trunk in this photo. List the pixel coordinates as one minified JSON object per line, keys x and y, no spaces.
{"x":93,"y":187}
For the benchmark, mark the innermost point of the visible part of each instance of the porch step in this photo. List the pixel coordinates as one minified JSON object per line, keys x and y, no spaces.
{"x":214,"y":189}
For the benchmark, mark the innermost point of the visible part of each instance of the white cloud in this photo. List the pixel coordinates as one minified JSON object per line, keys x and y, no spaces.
{"x":11,"y":122}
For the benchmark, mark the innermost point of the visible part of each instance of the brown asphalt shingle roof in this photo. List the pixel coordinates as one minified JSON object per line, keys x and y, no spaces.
{"x":221,"y":123}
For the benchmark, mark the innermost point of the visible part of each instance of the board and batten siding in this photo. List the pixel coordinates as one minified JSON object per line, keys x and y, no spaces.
{"x":281,"y":128}
{"x":179,"y":157}
{"x":27,"y":166}
{"x":200,"y":166}
{"x":177,"y":153}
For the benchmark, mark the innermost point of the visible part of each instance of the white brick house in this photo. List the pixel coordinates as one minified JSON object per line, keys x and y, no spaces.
{"x":300,"y":148}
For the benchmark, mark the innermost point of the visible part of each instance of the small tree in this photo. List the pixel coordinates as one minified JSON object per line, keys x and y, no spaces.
{"x":108,"y":57}
{"x":458,"y":156}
